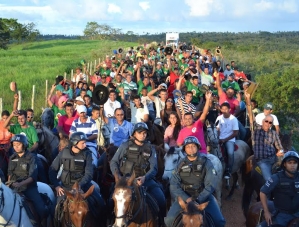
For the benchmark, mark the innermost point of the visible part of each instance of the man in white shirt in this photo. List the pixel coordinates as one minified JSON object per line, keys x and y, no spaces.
{"x":268,"y":109}
{"x":139,"y":111}
{"x":111,"y":104}
{"x":228,"y":129}
{"x":149,"y":103}
{"x":79,"y":76}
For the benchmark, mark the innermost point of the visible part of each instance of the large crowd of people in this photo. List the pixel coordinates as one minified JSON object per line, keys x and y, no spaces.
{"x":180,"y":89}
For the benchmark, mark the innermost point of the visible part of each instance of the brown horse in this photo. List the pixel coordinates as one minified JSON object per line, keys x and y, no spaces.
{"x":75,"y":208}
{"x":252,"y":177}
{"x":255,"y":216}
{"x":192,"y":216}
{"x":131,"y":207}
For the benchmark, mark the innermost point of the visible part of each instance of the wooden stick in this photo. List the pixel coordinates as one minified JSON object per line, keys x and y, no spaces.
{"x":95,"y":65}
{"x":33,"y":96}
{"x":20,"y":100}
{"x":72,"y":74}
{"x":1,"y":106}
{"x":64,"y":75}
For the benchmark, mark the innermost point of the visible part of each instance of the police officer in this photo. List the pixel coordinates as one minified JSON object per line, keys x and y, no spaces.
{"x":284,"y":186}
{"x":22,"y":174}
{"x":139,"y":156}
{"x":194,"y":179}
{"x":75,"y":161}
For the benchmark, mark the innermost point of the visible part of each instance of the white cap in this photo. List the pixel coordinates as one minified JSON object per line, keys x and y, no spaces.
{"x":81,"y":109}
{"x":164,"y":85}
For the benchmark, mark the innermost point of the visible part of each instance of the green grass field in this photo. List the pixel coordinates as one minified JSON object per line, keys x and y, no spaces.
{"x":34,"y":63}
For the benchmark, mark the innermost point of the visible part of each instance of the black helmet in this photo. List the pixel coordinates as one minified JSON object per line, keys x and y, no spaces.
{"x":140,"y":126}
{"x":191,"y":139}
{"x":20,"y":138}
{"x":289,"y":155}
{"x":76,"y":137}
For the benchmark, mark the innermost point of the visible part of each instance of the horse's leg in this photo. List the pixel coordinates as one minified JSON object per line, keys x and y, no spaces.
{"x":247,"y":193}
{"x":232,"y":190}
{"x":227,"y":186}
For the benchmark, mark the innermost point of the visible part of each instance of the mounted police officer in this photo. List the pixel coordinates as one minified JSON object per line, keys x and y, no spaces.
{"x":194,"y":179}
{"x":284,"y":186}
{"x":139,"y":156}
{"x":75,"y":161}
{"x":22,"y":174}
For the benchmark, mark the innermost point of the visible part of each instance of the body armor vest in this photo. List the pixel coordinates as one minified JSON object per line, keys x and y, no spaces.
{"x":73,"y":166}
{"x":286,"y":193}
{"x":136,"y":158}
{"x":19,"y":166}
{"x":192,"y":175}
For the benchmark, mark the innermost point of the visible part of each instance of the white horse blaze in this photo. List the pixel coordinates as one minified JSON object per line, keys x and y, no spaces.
{"x":120,"y":204}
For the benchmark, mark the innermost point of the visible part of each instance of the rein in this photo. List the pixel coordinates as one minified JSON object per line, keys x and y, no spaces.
{"x":2,"y":204}
{"x":128,"y":214}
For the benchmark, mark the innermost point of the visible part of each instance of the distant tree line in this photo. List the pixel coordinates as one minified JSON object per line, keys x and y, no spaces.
{"x":13,"y":31}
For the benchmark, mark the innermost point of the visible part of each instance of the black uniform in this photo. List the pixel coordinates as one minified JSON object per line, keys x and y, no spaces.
{"x":21,"y":168}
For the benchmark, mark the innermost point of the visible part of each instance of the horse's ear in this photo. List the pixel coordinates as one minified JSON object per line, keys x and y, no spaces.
{"x":76,"y":186}
{"x":89,"y":192}
{"x":131,"y":179}
{"x":182,"y":203}
{"x":202,"y":206}
{"x":68,"y":194}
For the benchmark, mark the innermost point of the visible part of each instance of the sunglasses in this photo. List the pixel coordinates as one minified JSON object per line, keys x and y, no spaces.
{"x":169,"y":101}
{"x":119,"y":115}
{"x":270,"y":122}
{"x":29,"y":117}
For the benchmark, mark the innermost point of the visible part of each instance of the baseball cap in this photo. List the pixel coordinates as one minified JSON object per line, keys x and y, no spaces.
{"x":230,"y":87}
{"x":268,"y":106}
{"x":58,"y":79}
{"x":164,"y":85}
{"x":81,"y":109}
{"x":59,"y":88}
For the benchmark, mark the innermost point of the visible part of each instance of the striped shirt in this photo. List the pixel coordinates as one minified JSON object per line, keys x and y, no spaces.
{"x":265,"y":143}
{"x":89,"y":128}
{"x":188,"y":108}
{"x":129,"y":86}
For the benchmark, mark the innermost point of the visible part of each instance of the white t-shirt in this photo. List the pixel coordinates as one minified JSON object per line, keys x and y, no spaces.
{"x":137,"y":113}
{"x":149,"y":102}
{"x":109,"y":107}
{"x":76,"y":78}
{"x":206,"y":79}
{"x":260,"y":117}
{"x":159,"y":106}
{"x":227,"y":126}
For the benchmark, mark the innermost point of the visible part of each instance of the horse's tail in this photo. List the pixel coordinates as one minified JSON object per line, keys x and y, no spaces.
{"x":247,"y":190}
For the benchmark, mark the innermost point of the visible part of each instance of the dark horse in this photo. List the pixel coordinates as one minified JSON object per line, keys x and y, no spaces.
{"x":132,"y":207}
{"x":4,"y":158}
{"x":252,"y":177}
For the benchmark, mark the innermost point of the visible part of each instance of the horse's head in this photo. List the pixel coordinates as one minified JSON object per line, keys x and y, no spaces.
{"x":192,"y":214}
{"x":48,"y":118}
{"x":123,"y":196}
{"x":76,"y":205}
{"x":171,"y":160}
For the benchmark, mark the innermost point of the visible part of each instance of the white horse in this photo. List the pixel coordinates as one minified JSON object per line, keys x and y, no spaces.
{"x":173,"y":157}
{"x":240,"y":155}
{"x":12,"y":212}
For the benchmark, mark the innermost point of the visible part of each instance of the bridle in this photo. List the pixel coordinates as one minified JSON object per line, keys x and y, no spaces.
{"x":43,"y":135}
{"x":2,"y":205}
{"x":128,"y":214}
{"x":199,"y":212}
{"x":214,"y":146}
{"x":67,"y":221}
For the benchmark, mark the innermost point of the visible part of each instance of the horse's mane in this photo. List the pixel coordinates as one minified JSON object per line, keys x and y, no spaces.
{"x":122,"y":183}
{"x":192,"y":209}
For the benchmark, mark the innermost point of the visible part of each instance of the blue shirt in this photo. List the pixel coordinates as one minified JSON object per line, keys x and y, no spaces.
{"x":119,"y":133}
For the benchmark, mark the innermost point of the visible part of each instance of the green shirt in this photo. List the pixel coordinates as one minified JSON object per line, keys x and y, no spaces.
{"x":233,"y":84}
{"x":141,"y":85}
{"x":196,"y":92}
{"x":105,"y":71}
{"x":57,"y":114}
{"x":183,"y":66}
{"x":30,"y":133}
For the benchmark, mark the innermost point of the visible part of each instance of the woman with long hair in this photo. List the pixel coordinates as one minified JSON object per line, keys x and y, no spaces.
{"x":169,"y":107}
{"x":172,"y":131}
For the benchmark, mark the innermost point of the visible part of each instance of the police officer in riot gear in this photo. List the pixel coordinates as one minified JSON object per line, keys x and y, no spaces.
{"x":75,"y":161}
{"x":22,"y":175}
{"x":194,"y":179}
{"x":139,"y":156}
{"x":284,"y":187}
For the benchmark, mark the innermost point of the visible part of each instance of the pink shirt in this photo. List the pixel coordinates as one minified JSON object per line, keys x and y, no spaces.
{"x":233,"y":102}
{"x":168,"y":137}
{"x":195,"y":130}
{"x":66,"y":122}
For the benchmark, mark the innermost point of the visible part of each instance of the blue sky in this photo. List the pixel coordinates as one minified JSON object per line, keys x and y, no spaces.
{"x":71,"y":16}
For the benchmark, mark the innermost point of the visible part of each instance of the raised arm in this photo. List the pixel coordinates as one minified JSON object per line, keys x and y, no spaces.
{"x":15,"y":102}
{"x":50,"y":103}
{"x":218,"y":84}
{"x":206,"y":107}
{"x":151,"y":94}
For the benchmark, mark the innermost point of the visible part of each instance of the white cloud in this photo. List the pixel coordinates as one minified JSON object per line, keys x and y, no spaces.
{"x":290,"y":6}
{"x":204,"y":8}
{"x":144,"y":5}
{"x":112,"y":8}
{"x":264,"y":5}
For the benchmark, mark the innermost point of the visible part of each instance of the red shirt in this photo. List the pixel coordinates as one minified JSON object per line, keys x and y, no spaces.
{"x":195,"y":130}
{"x":66,"y":122}
{"x":233,"y":102}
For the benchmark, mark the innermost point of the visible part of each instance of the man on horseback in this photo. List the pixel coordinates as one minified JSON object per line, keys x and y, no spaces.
{"x":22,"y":174}
{"x":284,"y":186}
{"x":139,"y":156}
{"x":228,"y":129}
{"x":76,"y":163}
{"x":194,"y":179}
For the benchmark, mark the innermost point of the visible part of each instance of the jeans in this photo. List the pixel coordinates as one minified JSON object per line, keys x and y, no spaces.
{"x":280,"y":219}
{"x":212,"y":208}
{"x":266,"y":166}
{"x":242,"y":131}
{"x":32,"y":193}
{"x":152,"y":115}
{"x":230,"y":149}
